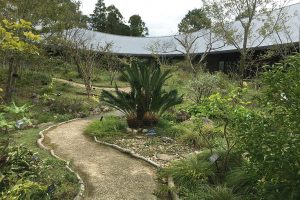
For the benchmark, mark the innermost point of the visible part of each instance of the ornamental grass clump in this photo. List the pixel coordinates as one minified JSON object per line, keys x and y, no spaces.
{"x":147,"y":100}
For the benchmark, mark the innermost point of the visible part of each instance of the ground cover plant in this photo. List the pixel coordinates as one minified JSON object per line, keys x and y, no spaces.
{"x":255,"y":153}
{"x":26,"y":172}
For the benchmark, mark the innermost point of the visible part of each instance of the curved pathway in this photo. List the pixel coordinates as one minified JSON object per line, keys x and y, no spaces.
{"x":107,"y":173}
{"x":74,"y":84}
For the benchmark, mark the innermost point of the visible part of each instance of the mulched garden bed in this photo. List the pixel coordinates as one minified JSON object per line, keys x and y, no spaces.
{"x":162,"y":150}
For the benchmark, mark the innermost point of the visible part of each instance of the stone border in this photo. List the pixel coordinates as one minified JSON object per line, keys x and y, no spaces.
{"x":171,"y":185}
{"x":80,"y":193}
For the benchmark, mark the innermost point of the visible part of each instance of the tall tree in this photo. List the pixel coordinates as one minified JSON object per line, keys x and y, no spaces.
{"x":255,"y":21}
{"x":193,"y":21}
{"x":114,"y":23}
{"x":98,"y":18}
{"x":47,"y":16}
{"x":137,"y":26}
{"x":16,"y":42}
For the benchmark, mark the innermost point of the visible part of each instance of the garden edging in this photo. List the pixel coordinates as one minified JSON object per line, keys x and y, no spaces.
{"x":80,"y":193}
{"x":171,"y":185}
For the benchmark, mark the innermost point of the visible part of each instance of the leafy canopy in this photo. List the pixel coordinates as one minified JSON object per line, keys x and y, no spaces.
{"x":193,"y":21}
{"x":17,"y":37}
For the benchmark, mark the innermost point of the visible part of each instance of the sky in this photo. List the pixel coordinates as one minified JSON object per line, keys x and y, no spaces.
{"x":161,"y":16}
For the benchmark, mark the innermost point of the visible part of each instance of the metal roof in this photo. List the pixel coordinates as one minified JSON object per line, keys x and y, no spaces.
{"x":168,"y":45}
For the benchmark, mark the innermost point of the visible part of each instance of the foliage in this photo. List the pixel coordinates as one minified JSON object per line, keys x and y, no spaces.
{"x":19,"y":171}
{"x":64,"y":104}
{"x":108,"y":127}
{"x":112,"y":63}
{"x":171,"y":129}
{"x":146,"y":95}
{"x":26,"y":190}
{"x":227,"y":111}
{"x":14,"y":117}
{"x":34,"y":78}
{"x":268,"y":136}
{"x":251,"y":27}
{"x":202,"y":86}
{"x":137,"y":26}
{"x":199,"y":137}
{"x":98,"y":18}
{"x":193,"y":21}
{"x":192,"y":172}
{"x":60,"y":182}
{"x":110,"y":20}
{"x":50,"y":16}
{"x":17,"y":40}
{"x":207,"y":192}
{"x":114,"y":22}
{"x":15,"y":36}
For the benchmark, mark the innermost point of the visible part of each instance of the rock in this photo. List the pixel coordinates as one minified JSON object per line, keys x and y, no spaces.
{"x":80,"y":115}
{"x":129,"y":130}
{"x":97,"y":111}
{"x":144,"y":130}
{"x":165,"y":157}
{"x":105,"y":109}
{"x":135,"y":131}
{"x":167,"y":140}
{"x":182,"y":116}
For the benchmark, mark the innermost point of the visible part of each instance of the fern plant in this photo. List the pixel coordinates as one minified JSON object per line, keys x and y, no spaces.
{"x":147,"y":96}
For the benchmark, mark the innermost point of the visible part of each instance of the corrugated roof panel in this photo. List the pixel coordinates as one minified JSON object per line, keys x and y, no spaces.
{"x":169,"y":45}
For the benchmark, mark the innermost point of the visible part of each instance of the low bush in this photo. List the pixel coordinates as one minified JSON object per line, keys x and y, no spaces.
{"x":201,"y":171}
{"x":106,"y":128}
{"x":192,"y":172}
{"x":201,"y":86}
{"x":20,"y":168}
{"x":206,"y":192}
{"x":171,"y":129}
{"x":70,"y":104}
{"x":34,"y":78}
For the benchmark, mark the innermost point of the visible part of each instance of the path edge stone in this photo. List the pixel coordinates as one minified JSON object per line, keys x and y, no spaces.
{"x":171,"y":185}
{"x":40,"y":144}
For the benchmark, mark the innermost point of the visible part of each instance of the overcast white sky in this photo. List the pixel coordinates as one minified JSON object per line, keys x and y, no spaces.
{"x":160,"y":16}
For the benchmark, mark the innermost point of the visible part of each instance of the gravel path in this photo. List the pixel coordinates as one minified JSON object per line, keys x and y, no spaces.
{"x":107,"y":173}
{"x":74,"y":84}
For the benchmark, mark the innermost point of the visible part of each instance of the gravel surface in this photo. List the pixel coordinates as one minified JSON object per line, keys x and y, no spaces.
{"x":107,"y":173}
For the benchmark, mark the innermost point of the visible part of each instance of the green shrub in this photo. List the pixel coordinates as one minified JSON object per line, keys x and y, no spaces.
{"x":242,"y":181}
{"x":20,"y":168}
{"x":34,"y":78}
{"x":192,"y":172}
{"x":206,"y":192}
{"x":201,"y":86}
{"x":147,"y":96}
{"x":270,"y":139}
{"x":109,"y":127}
{"x":197,"y":170}
{"x":26,"y":190}
{"x":69,"y":104}
{"x":171,"y":129}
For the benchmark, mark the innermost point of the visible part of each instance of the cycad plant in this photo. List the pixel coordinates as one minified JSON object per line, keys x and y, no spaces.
{"x":147,"y":99}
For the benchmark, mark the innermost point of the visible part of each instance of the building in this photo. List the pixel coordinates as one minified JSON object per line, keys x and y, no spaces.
{"x":221,"y":56}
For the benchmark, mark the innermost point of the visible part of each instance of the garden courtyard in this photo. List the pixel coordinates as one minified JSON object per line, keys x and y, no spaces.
{"x":215,"y":121}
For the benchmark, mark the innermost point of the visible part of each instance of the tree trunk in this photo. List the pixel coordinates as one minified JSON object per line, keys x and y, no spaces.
{"x":79,"y":70}
{"x":11,"y":80}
